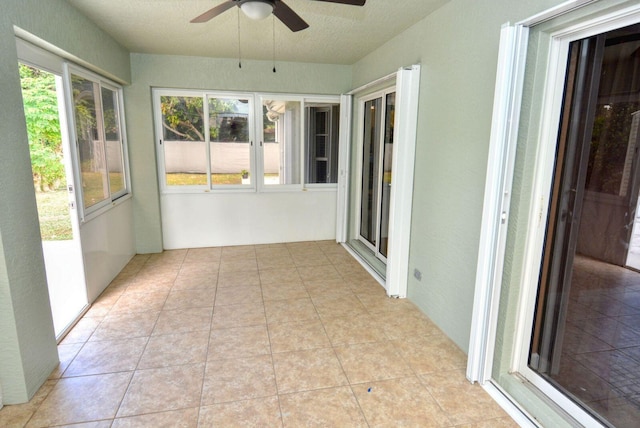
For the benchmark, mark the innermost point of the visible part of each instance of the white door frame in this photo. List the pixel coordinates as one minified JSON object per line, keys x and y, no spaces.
{"x":76,"y":277}
{"x":407,"y":82}
{"x":382,"y":95}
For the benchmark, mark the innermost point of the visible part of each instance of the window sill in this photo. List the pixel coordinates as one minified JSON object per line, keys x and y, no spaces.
{"x":240,"y":190}
{"x":104,"y":208}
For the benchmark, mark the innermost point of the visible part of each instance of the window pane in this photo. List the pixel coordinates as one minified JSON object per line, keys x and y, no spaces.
{"x":183,"y":140}
{"x":229,"y":139}
{"x":93,"y":166}
{"x":322,"y":143}
{"x":613,"y":141}
{"x":370,"y":161}
{"x":115,"y":162}
{"x":281,"y":132}
{"x":387,"y":161}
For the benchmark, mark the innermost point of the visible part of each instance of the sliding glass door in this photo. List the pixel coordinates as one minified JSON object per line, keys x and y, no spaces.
{"x":375,"y":190}
{"x":585,"y":338}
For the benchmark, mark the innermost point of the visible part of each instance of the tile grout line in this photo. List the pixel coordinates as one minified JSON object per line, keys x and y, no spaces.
{"x":210,"y":332}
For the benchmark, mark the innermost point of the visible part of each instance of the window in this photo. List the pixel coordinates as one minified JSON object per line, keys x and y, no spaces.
{"x":113,"y":141}
{"x":322,"y":143}
{"x":184,"y":140}
{"x":206,"y":141}
{"x":281,"y":130}
{"x":100,"y":142}
{"x":230,"y":145}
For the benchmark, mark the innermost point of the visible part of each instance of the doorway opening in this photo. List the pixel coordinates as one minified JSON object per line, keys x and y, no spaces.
{"x":43,"y":101}
{"x":585,"y":339}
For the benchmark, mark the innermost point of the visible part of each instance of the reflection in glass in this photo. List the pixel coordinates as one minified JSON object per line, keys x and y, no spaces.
{"x":370,"y":172}
{"x":229,"y":141}
{"x":114,"y":144}
{"x":386,"y":171}
{"x":93,"y":164}
{"x":281,"y":137}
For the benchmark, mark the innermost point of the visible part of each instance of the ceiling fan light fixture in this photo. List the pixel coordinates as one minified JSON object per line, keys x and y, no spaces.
{"x":257,"y":9}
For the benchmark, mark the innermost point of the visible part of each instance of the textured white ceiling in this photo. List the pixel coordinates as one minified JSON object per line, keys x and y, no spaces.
{"x":338,"y":34}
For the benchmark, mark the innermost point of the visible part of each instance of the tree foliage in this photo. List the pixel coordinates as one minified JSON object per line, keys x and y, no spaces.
{"x":609,"y":146}
{"x":183,"y":119}
{"x":43,"y":127}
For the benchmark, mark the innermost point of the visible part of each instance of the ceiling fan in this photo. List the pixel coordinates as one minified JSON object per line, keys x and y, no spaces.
{"x":260,"y":9}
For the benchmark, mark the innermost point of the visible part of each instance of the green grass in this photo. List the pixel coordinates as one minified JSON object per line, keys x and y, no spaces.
{"x":178,"y":179}
{"x":53,"y":211}
{"x":183,"y":179}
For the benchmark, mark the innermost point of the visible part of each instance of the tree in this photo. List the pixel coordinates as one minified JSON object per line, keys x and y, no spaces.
{"x":43,"y":127}
{"x":183,"y":119}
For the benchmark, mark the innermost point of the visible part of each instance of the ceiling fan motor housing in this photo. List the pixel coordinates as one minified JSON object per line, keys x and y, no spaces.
{"x":257,"y":9}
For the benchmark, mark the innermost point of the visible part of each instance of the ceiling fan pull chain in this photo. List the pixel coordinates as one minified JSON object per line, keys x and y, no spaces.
{"x":274,"y":43}
{"x":239,"y":45}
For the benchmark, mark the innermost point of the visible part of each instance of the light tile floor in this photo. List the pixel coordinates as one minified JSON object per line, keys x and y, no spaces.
{"x":278,"y":335}
{"x":600,"y":363}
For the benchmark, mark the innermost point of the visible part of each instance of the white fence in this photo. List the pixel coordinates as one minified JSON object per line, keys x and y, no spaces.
{"x":226,"y":158}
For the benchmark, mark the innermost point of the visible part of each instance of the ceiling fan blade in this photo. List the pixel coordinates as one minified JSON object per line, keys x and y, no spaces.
{"x":212,"y":13}
{"x":288,"y":17}
{"x":350,"y":2}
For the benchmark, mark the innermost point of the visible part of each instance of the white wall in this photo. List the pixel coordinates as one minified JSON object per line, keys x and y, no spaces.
{"x":107,"y":246}
{"x":196,"y":220}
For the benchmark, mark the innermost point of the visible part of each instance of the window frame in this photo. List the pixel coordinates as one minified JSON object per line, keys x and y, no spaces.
{"x":251,"y":124}
{"x":259,"y":126}
{"x":88,"y":213}
{"x":256,"y":141}
{"x":125,"y":159}
{"x":322,"y":100}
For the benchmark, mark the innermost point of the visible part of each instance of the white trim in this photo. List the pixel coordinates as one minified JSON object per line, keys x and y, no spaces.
{"x":560,"y":399}
{"x":497,"y":198}
{"x":554,"y":12}
{"x":344,"y":149}
{"x":407,"y":99}
{"x":519,"y":415}
{"x":382,"y":81}
{"x":65,"y":56}
{"x":35,"y":56}
{"x":539,"y":202}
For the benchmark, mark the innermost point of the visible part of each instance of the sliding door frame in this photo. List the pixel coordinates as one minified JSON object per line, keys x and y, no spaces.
{"x":407,"y":84}
{"x":500,"y":171}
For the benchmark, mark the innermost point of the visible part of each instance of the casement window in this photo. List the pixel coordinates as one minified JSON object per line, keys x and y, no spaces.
{"x":98,"y":122}
{"x":245,"y":141}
